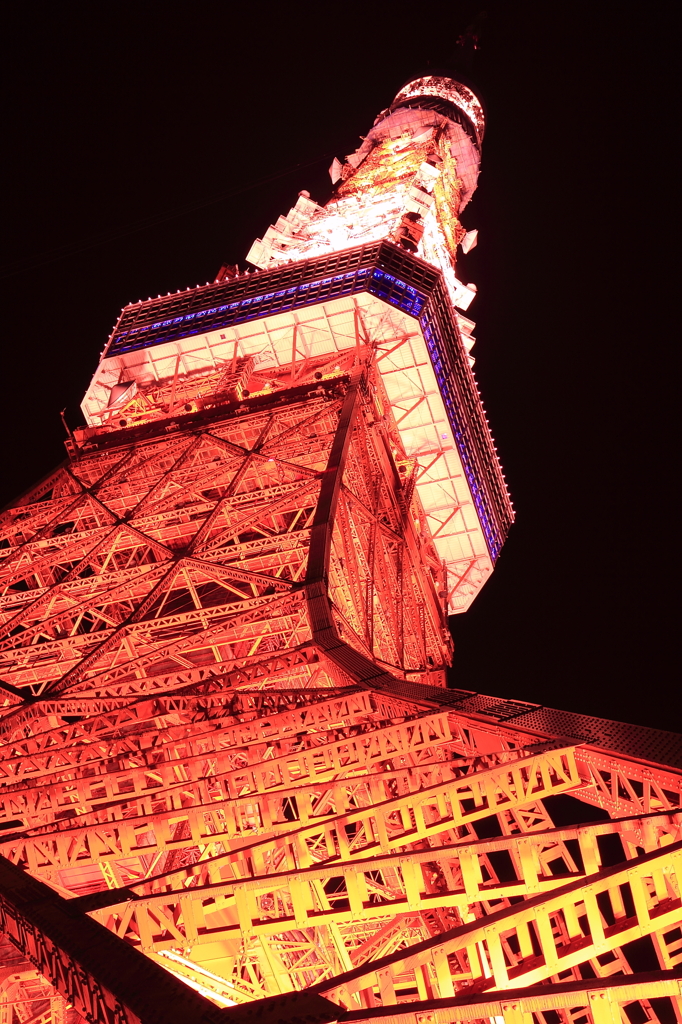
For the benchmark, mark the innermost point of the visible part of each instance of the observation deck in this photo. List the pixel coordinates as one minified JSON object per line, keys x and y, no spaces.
{"x":375,"y":296}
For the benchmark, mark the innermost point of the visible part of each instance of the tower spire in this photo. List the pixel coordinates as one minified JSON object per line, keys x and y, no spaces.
{"x":469,"y":42}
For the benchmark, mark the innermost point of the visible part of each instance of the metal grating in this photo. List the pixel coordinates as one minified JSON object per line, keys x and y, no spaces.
{"x":500,"y":710}
{"x":654,"y":745}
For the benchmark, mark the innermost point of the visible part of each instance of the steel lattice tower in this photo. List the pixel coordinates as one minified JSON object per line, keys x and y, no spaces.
{"x":233,"y":782}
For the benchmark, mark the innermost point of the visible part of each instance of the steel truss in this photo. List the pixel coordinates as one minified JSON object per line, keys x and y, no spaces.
{"x":227,"y":772}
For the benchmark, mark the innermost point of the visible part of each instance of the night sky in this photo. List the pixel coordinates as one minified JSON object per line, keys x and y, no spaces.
{"x":146,"y":144}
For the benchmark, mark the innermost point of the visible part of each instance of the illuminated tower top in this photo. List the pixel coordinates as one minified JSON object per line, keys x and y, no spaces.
{"x":231,"y":771}
{"x":408,"y":182}
{"x":367,"y":280}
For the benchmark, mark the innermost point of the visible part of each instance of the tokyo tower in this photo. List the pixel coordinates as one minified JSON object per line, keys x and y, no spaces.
{"x":233,"y":782}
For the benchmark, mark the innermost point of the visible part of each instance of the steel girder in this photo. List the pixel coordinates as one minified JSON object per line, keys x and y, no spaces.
{"x":217,"y":758}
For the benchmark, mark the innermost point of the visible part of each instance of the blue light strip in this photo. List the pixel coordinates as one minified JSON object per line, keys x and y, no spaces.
{"x":398,"y":293}
{"x":492,"y":535}
{"x":217,"y":317}
{"x":384,"y":286}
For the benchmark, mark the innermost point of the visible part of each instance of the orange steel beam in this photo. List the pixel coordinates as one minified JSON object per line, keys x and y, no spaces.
{"x":590,"y":1000}
{"x":269,"y":901}
{"x":653,"y":882}
{"x":106,"y":833}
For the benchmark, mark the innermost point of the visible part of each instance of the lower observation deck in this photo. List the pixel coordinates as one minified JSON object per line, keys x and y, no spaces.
{"x":378,"y":296}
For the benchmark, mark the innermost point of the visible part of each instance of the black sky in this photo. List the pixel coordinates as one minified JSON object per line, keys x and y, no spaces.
{"x":134,"y":134}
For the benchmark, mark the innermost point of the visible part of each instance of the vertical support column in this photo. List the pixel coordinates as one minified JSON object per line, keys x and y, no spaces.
{"x":323,"y":523}
{"x":603,"y":1009}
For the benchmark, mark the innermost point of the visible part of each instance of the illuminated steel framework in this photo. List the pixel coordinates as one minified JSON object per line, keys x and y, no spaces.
{"x":232,"y":780}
